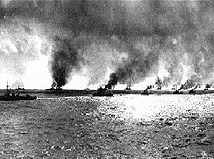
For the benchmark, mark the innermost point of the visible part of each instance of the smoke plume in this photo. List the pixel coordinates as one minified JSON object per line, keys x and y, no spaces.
{"x":64,"y":60}
{"x":112,"y":81}
{"x":131,"y":38}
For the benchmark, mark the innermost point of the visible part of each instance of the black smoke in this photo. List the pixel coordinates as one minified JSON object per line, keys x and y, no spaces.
{"x":139,"y":62}
{"x":137,"y":67}
{"x":63,"y":62}
{"x":112,"y":81}
{"x":149,"y":32}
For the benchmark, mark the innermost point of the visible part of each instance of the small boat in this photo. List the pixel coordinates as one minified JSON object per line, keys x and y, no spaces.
{"x":102,"y":92}
{"x":15,"y":96}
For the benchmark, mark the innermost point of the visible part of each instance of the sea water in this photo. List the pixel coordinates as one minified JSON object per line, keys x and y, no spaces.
{"x":123,"y":126}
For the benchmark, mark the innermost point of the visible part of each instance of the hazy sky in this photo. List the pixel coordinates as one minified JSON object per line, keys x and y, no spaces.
{"x":89,"y":39}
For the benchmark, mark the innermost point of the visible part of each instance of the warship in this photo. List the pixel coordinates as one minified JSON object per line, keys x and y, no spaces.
{"x":15,"y":95}
{"x":102,"y":92}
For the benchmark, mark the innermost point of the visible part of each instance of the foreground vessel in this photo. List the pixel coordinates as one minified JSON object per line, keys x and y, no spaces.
{"x":15,"y":96}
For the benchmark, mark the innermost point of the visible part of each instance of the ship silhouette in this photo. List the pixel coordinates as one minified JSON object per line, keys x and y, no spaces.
{"x":15,"y":95}
{"x":102,"y":92}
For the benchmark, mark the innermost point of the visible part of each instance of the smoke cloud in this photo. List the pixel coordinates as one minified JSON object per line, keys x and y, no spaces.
{"x":65,"y":59}
{"x":131,"y":38}
{"x":19,"y":45}
{"x":112,"y":81}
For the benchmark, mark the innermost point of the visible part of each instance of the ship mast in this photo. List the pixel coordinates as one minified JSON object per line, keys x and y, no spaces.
{"x":7,"y":86}
{"x":7,"y":89}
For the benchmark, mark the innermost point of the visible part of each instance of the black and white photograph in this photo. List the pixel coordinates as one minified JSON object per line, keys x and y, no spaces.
{"x":106,"y":79}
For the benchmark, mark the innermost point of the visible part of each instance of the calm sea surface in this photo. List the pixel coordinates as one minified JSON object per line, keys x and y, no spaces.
{"x":123,"y":126}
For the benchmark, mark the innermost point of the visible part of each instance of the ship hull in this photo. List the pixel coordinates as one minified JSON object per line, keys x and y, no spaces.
{"x":10,"y":98}
{"x":102,"y":94}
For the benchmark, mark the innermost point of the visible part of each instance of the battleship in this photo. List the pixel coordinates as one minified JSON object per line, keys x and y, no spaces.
{"x":102,"y":92}
{"x":15,"y":95}
{"x":156,"y":89}
{"x":186,"y":88}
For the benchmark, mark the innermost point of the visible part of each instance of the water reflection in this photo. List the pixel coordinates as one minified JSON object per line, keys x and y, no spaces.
{"x":156,"y":106}
{"x":129,"y":126}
